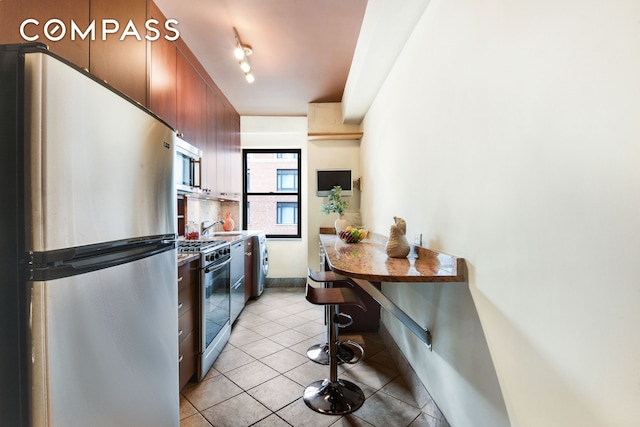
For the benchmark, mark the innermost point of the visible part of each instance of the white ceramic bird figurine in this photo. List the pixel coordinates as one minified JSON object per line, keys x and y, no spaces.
{"x":398,"y":246}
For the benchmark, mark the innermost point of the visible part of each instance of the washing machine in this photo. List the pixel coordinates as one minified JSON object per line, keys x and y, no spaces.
{"x":261,"y":264}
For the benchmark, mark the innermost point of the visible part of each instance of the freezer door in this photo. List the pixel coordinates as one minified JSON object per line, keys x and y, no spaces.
{"x":105,"y":346}
{"x":98,"y":167}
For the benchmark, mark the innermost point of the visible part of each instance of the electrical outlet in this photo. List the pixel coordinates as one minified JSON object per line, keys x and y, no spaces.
{"x":417,"y":240}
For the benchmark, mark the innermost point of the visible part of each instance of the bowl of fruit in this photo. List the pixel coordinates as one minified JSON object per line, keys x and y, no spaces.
{"x":353,"y":234}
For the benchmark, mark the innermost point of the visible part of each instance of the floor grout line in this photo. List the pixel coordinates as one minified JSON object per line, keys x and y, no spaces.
{"x":370,"y":371}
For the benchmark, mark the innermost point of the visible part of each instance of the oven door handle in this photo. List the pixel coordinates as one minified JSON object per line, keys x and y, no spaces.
{"x":208,"y":270}
{"x":236,"y":285}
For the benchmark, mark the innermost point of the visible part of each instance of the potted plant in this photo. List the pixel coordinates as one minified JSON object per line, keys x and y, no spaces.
{"x":336,"y":204}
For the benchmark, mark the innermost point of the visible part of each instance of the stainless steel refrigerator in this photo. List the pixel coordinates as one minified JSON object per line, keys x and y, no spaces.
{"x":88,"y":316}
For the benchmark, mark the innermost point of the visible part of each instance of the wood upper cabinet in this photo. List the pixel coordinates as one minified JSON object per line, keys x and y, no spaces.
{"x":229,"y":157}
{"x":162,"y":74}
{"x":210,"y":167}
{"x":184,"y":96}
{"x":121,"y":63}
{"x":191,"y":103}
{"x":222,"y":150}
{"x":14,"y":12}
{"x":235,"y":159}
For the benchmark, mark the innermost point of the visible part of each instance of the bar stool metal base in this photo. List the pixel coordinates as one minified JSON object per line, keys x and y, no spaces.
{"x":338,"y":398}
{"x":319,"y":353}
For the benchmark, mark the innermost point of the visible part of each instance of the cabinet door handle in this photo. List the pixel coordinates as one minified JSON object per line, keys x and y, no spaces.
{"x":247,"y":253}
{"x":180,"y":358}
{"x":179,"y":279}
{"x":179,"y":305}
{"x":180,"y":332}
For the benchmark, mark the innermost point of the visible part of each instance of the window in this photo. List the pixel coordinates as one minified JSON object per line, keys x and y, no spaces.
{"x":287,"y":179}
{"x":271,"y":189}
{"x":287,"y":213}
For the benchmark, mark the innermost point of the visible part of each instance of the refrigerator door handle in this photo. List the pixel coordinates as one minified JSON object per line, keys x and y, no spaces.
{"x":58,"y":269}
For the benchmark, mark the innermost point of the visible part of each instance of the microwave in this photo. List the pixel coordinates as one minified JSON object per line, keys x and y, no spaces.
{"x":187,"y":167}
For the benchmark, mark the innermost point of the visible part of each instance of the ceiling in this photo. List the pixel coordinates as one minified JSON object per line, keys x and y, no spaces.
{"x":302,"y":49}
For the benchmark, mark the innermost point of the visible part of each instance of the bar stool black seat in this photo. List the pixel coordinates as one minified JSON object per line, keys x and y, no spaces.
{"x":333,"y":396}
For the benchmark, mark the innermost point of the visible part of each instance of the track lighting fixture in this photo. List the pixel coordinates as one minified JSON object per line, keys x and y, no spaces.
{"x":242,"y":52}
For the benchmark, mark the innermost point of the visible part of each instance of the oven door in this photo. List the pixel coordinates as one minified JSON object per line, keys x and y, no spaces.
{"x":215,"y":326}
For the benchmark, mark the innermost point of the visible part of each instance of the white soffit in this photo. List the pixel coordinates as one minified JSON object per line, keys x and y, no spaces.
{"x":385,"y":29}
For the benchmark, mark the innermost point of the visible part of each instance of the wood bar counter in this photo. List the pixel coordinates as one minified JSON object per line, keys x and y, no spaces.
{"x":367,"y":264}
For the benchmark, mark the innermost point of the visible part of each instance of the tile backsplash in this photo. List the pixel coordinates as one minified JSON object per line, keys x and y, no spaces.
{"x":199,"y":210}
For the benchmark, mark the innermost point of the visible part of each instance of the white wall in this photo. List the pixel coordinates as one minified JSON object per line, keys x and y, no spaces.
{"x":329,"y":155}
{"x":509,"y":134}
{"x":287,"y":257}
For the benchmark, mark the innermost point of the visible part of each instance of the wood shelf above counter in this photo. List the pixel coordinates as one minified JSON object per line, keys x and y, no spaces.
{"x":334,"y":136}
{"x":368,"y":260}
{"x":325,"y":123}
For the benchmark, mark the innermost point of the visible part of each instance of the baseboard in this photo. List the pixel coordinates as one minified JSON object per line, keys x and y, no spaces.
{"x":285,"y":282}
{"x":418,"y":390}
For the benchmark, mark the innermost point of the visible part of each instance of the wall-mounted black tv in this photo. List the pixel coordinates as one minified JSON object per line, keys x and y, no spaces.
{"x":326,"y":179}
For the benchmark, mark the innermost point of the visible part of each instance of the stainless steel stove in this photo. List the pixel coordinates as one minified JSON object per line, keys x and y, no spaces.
{"x":199,"y":245}
{"x":215,"y":288}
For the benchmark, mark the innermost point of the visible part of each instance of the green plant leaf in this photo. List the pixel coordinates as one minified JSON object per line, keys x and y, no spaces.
{"x":336,"y":204}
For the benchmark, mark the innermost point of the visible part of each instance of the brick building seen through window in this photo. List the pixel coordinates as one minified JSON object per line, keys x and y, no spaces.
{"x":271,"y":196}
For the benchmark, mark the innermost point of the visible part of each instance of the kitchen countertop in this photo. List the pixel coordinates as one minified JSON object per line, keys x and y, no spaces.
{"x":367,"y":263}
{"x":186,"y":257}
{"x":230,"y":236}
{"x":368,"y":260}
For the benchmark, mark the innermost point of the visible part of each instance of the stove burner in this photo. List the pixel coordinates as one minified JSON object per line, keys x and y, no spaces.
{"x":198,"y":245}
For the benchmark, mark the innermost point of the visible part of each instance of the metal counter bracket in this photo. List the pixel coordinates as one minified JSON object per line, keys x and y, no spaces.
{"x":419,"y":331}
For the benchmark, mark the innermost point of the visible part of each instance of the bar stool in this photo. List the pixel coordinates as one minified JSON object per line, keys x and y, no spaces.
{"x":331,"y":395}
{"x":319,"y":353}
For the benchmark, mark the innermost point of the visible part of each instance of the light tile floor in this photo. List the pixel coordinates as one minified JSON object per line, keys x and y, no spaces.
{"x":259,"y":377}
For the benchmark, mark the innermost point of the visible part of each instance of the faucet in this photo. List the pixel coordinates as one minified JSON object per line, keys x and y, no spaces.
{"x":204,"y":230}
